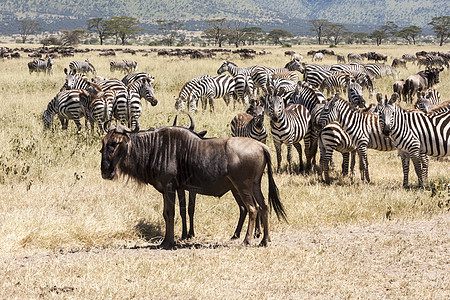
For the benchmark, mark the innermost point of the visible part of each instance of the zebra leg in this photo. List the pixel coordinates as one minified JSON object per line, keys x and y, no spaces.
{"x":78,"y":123}
{"x":182,"y":202}
{"x":325,"y":155}
{"x":211,"y":104}
{"x":405,"y":166}
{"x":298,"y":146}
{"x":363,"y":164}
{"x":279,"y":158}
{"x":191,"y":209}
{"x":416,"y":159}
{"x":352,"y":165}
{"x":345,"y":161}
{"x":425,"y":163}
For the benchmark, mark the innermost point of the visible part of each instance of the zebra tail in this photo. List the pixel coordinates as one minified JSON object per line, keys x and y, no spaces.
{"x":274,"y":195}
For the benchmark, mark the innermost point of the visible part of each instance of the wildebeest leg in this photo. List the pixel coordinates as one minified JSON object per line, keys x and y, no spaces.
{"x":182,"y":202}
{"x":169,"y":214}
{"x":263,"y":213}
{"x":298,"y":146}
{"x":279,"y":158}
{"x":248,"y":199}
{"x":191,"y":209}
{"x":242,"y":215}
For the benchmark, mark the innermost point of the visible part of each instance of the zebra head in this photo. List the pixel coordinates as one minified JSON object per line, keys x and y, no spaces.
{"x":150,"y":92}
{"x":387,"y":113}
{"x":355,"y":93}
{"x":224,"y":67}
{"x":423,"y":102}
{"x":73,"y":79}
{"x":276,"y":106}
{"x":257,"y":111}
{"x":330,"y":111}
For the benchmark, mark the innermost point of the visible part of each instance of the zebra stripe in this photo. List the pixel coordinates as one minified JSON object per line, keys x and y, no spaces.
{"x":428,"y":100}
{"x":335,"y":83}
{"x":210,"y":88}
{"x":40,"y":65}
{"x":184,"y":93}
{"x":244,"y":88}
{"x":288,"y":126}
{"x":282,"y":87}
{"x":144,"y":88}
{"x":415,"y":132}
{"x":82,"y":67}
{"x":355,"y":93}
{"x":379,"y":70}
{"x":334,"y":138}
{"x":100,"y":109}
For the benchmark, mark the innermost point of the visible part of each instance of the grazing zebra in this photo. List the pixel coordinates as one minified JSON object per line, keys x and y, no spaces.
{"x":288,"y":126}
{"x":363,"y":128}
{"x":379,"y":70}
{"x":184,"y":93}
{"x":119,"y":65}
{"x":40,"y":65}
{"x":212,"y":87}
{"x":82,"y":67}
{"x":250,"y":124}
{"x":68,"y":105}
{"x":233,"y":69}
{"x":334,"y":138}
{"x":348,"y":67}
{"x":415,"y":132}
{"x":334,"y":83}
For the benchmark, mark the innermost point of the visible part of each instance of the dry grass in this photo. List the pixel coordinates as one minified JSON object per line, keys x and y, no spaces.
{"x":66,"y":233}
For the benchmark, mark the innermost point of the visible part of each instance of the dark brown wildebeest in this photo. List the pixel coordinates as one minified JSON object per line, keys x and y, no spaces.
{"x":422,"y":80}
{"x":398,"y":88}
{"x":399,"y":62}
{"x":174,"y":158}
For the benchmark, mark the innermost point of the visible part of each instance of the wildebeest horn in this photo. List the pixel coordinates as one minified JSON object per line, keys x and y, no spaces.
{"x":175,"y":121}
{"x":192,"y":123}
{"x":105,"y":125}
{"x":122,"y":129}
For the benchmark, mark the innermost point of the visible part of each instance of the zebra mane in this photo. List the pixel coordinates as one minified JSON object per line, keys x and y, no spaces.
{"x":337,"y":98}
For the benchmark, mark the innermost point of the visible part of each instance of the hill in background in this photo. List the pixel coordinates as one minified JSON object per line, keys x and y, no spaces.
{"x":291,"y":15}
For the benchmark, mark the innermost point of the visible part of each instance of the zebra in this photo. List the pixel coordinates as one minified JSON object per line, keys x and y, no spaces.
{"x":363,"y":128}
{"x":314,"y":102}
{"x":184,"y":93}
{"x":68,"y":105}
{"x":347,"y":67}
{"x":427,"y":100}
{"x":100,"y":109}
{"x":212,"y":87}
{"x":82,"y":67}
{"x":244,"y":88}
{"x":415,"y":132}
{"x":290,"y":75}
{"x":433,"y":61}
{"x":355,"y":93}
{"x":250,"y":124}
{"x":288,"y":126}
{"x":335,"y":83}
{"x":379,"y":70}
{"x":143,"y":86}
{"x":119,"y":65}
{"x":233,"y":69}
{"x":40,"y":65}
{"x":333,"y":137}
{"x":282,"y":87}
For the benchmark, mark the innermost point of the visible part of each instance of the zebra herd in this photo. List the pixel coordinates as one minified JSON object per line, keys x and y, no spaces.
{"x":100,"y":100}
{"x":301,"y":111}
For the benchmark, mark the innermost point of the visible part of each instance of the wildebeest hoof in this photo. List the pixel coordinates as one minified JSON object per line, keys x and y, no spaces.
{"x":168,"y":245}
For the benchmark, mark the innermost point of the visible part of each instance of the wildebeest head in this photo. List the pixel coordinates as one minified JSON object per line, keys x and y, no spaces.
{"x":114,"y":148}
{"x":432,"y":75}
{"x":386,"y":109}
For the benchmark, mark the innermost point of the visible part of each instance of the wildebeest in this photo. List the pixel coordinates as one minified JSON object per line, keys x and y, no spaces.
{"x":174,"y":158}
{"x":399,"y":62}
{"x":398,"y":88}
{"x":422,"y":80}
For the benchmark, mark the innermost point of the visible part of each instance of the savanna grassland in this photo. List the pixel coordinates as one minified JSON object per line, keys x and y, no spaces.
{"x":67,"y":233}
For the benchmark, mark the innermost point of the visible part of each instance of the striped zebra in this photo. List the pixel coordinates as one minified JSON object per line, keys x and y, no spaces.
{"x":100,"y":109}
{"x":433,"y":61}
{"x":40,"y":65}
{"x":282,"y":87}
{"x":68,"y":105}
{"x":127,"y":79}
{"x":415,"y":132}
{"x":250,"y":125}
{"x":427,"y":100}
{"x":119,"y":65}
{"x":363,"y":128}
{"x":233,"y":69}
{"x":183,"y":95}
{"x":334,"y":138}
{"x":314,"y":102}
{"x":244,"y":88}
{"x":335,"y":83}
{"x":347,"y":67}
{"x":355,"y":93}
{"x":144,"y":87}
{"x":379,"y":70}
{"x":82,"y":67}
{"x":262,"y":75}
{"x":210,"y":88}
{"x":288,"y":126}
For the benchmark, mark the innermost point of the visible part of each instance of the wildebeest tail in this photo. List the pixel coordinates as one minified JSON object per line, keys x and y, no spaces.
{"x":274,"y":195}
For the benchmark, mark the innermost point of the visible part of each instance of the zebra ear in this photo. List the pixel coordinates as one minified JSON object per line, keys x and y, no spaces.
{"x":65,"y":71}
{"x":379,"y":97}
{"x":394,"y":98}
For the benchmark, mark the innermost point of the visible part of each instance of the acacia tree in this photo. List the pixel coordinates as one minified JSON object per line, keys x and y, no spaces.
{"x":122,"y":28}
{"x":97,"y":25}
{"x":277,"y":34}
{"x":169,"y":29}
{"x":319,"y":26}
{"x":378,"y":35}
{"x":216,"y":31}
{"x":27,"y":27}
{"x":237,"y":32}
{"x":335,"y":33}
{"x":253,"y":34}
{"x":441,"y":27}
{"x":72,"y":37}
{"x":410,"y":33}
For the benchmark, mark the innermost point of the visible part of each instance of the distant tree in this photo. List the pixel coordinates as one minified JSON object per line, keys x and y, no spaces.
{"x":253,"y":34}
{"x":390,"y":28}
{"x":122,"y":27}
{"x":217,"y":32}
{"x":319,"y":26}
{"x":358,"y":37}
{"x":72,"y":37}
{"x":409,"y":33}
{"x":170,"y":30}
{"x":379,"y":36}
{"x":237,"y":32}
{"x":50,"y":41}
{"x":97,"y":25}
{"x":28,"y":27}
{"x":335,"y":33}
{"x":277,"y":34}
{"x":441,"y":27}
